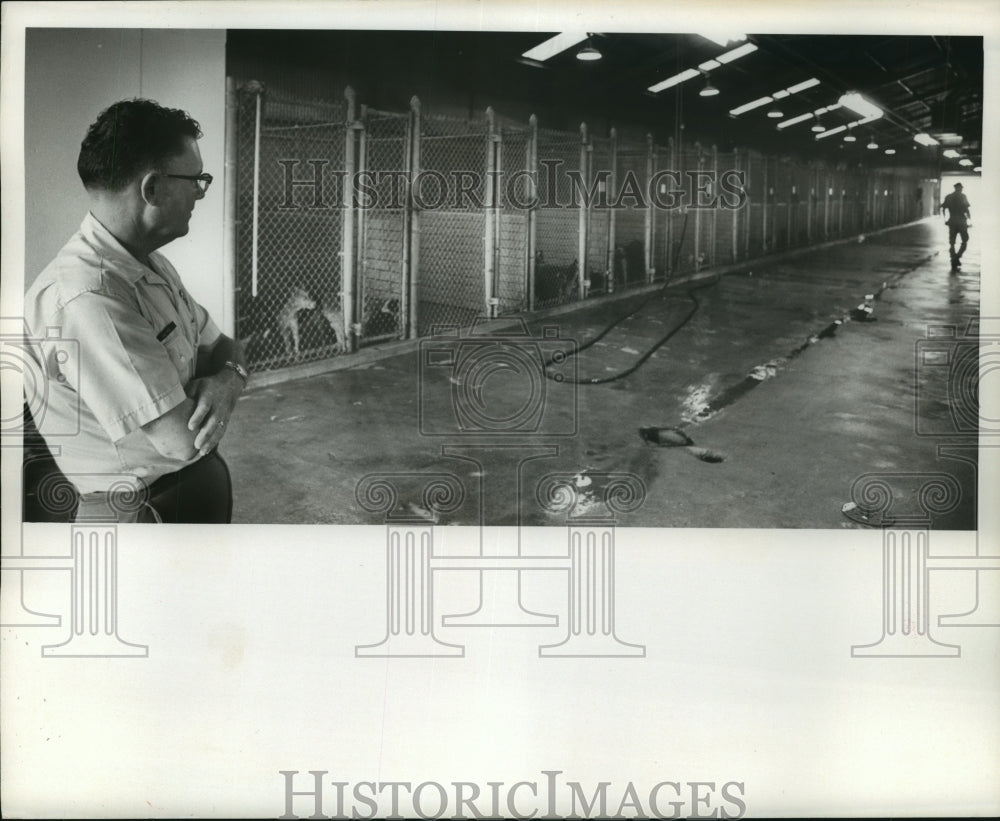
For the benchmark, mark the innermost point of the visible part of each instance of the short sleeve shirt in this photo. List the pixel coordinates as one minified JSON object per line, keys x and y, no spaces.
{"x":958,"y":207}
{"x":116,"y":343}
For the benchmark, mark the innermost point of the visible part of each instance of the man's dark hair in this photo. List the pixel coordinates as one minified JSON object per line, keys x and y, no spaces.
{"x":129,"y":138}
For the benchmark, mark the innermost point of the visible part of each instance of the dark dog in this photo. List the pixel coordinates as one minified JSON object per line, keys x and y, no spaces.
{"x":555,"y":283}
{"x":383,"y":321}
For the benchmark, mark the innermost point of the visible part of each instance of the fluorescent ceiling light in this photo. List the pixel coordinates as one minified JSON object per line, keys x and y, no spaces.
{"x":850,"y":138}
{"x":736,"y":53}
{"x":924,"y":139}
{"x":890,"y":151}
{"x":777,"y":95}
{"x":775,"y":113}
{"x":860,"y":105}
{"x":742,"y":109}
{"x":872,"y":144}
{"x":866,"y":120}
{"x":555,"y":45}
{"x":724,"y":39}
{"x":831,"y":131}
{"x":950,"y":153}
{"x":795,"y":89}
{"x":708,"y":65}
{"x":709,"y":90}
{"x":794,"y":120}
{"x":965,"y":162}
{"x":687,"y":74}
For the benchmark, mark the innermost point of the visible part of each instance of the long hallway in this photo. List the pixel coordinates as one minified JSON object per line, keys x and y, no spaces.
{"x":785,"y":398}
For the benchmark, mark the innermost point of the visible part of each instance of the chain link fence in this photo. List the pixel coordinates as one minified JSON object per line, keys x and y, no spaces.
{"x":557,"y":221}
{"x":446,"y":220}
{"x":384,"y":164}
{"x":631,"y":216}
{"x":289,"y":226}
{"x":450,"y":220}
{"x":597,"y":182}
{"x":513,"y":214}
{"x":661,"y":219}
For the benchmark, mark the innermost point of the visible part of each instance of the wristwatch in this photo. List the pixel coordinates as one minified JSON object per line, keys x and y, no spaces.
{"x":240,"y":371}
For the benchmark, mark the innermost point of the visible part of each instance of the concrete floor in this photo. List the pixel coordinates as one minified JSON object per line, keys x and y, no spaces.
{"x":819,"y":416}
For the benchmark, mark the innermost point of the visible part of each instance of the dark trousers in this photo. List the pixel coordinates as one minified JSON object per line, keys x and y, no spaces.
{"x":201,"y":493}
{"x":953,"y":232}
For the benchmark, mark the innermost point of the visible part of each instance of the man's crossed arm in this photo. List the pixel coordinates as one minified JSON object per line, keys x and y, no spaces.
{"x":197,"y":425}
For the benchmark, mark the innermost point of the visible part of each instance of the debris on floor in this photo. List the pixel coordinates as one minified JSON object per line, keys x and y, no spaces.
{"x":676,"y":438}
{"x":665,"y":437}
{"x":865,"y":312}
{"x":871,"y":518}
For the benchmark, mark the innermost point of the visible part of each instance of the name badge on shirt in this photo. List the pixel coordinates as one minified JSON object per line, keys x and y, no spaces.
{"x":166,"y":332}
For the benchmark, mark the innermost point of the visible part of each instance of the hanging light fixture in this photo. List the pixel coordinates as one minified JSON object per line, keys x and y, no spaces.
{"x":871,"y":143}
{"x":849,"y":138}
{"x":775,"y":114}
{"x":709,"y":90}
{"x":818,"y":126}
{"x":588,"y":53}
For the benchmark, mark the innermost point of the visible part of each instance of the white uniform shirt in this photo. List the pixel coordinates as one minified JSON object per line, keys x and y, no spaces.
{"x":117,"y":343}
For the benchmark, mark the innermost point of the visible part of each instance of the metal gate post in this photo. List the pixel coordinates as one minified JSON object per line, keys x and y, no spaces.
{"x":610,"y":253}
{"x":809,"y":206}
{"x":490,"y":215}
{"x":668,"y":213}
{"x":715,"y":206}
{"x":404,"y":263}
{"x":581,"y":273}
{"x":361,"y":218}
{"x":228,"y":318}
{"x":352,"y":331}
{"x":532,"y":165}
{"x":259,"y":91}
{"x":826,"y":206}
{"x":736,"y":164}
{"x":840,"y":218}
{"x":775,"y":193}
{"x":413,"y":239}
{"x":649,"y":233}
{"x":763,"y":224}
{"x":697,"y":211}
{"x":788,"y":211}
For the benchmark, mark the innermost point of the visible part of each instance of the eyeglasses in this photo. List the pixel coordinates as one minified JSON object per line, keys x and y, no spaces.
{"x":203,"y":180}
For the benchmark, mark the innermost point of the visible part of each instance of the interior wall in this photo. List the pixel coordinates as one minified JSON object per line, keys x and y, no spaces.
{"x":73,"y":74}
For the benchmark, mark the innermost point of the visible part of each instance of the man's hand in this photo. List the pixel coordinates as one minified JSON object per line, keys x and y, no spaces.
{"x":214,"y":397}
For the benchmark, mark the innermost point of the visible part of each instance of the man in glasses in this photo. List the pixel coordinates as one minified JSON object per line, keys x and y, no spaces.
{"x":145,"y":370}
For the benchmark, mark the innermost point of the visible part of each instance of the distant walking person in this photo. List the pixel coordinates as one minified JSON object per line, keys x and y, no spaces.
{"x":958,"y":224}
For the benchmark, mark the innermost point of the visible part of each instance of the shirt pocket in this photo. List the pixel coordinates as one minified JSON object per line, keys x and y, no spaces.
{"x":182,"y":354}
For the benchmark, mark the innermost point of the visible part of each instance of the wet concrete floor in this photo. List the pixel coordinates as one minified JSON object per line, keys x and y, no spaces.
{"x":785,"y":407}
